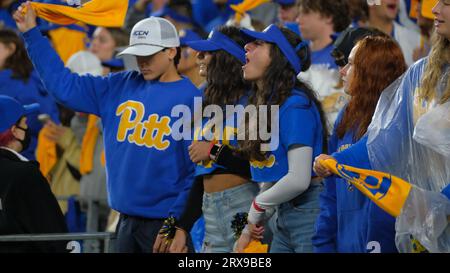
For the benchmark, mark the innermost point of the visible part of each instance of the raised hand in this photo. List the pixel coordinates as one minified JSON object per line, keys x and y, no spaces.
{"x":25,"y":17}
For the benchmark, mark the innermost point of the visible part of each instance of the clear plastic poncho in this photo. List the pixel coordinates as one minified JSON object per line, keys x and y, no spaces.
{"x":410,"y":139}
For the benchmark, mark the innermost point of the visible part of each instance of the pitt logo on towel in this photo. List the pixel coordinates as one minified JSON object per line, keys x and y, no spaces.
{"x":149,"y":133}
{"x":377,"y":186}
{"x":387,"y":191}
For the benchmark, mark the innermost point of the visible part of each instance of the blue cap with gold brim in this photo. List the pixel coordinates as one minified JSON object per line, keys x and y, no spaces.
{"x":11,"y":111}
{"x":272,"y":34}
{"x":218,"y":41}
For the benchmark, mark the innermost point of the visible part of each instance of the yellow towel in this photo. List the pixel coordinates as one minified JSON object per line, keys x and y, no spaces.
{"x":67,"y":42}
{"x":385,"y":190}
{"x":413,"y":9}
{"x":426,"y":11}
{"x":105,"y":13}
{"x":245,"y":6}
{"x":45,"y":153}
{"x":427,"y":7}
{"x":88,"y":145}
{"x":256,"y":247}
{"x":103,"y":159}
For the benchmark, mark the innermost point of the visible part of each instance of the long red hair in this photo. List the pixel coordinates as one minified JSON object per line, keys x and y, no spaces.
{"x":378,"y":62}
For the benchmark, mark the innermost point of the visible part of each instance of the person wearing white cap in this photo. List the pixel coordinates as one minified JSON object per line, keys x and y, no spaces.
{"x":148,"y":169}
{"x":27,"y":204}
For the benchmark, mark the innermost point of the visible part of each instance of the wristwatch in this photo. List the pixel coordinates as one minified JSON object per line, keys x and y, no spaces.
{"x":215,"y":151}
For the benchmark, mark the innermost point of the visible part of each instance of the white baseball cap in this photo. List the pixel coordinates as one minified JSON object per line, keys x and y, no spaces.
{"x":85,"y":62}
{"x":150,"y":36}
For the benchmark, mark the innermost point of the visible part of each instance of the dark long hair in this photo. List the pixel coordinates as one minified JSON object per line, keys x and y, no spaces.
{"x":225,"y":81}
{"x":278,"y":82}
{"x":18,"y":62}
{"x":378,"y":62}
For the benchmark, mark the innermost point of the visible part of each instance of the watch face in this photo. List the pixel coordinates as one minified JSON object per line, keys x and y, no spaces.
{"x":214,"y":150}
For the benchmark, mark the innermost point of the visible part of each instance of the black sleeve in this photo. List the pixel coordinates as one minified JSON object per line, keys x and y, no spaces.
{"x":193,"y":208}
{"x":39,"y":211}
{"x":233,"y":162}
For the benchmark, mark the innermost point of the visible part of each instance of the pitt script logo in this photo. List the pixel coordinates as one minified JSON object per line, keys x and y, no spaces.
{"x":149,"y":133}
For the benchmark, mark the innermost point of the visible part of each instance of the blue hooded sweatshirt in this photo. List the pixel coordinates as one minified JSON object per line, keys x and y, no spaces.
{"x":348,"y":220}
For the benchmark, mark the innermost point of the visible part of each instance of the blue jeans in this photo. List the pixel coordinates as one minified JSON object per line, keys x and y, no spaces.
{"x":219,"y":209}
{"x":293,"y":224}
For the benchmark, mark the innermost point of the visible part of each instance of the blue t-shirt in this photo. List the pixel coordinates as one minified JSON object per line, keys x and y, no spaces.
{"x":349,"y":221}
{"x":228,"y":137}
{"x":323,"y":57}
{"x":299,"y":123}
{"x":148,"y":169}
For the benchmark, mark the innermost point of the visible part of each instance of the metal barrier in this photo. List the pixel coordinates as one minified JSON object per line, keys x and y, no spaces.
{"x":73,"y":245}
{"x":92,"y":223}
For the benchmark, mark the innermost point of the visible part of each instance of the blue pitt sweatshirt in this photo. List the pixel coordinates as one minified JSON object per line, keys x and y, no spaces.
{"x":149,"y":173}
{"x":348,"y":220}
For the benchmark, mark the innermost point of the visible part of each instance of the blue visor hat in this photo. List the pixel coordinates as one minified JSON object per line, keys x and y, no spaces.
{"x":272,"y":34}
{"x":11,"y":111}
{"x":114,"y":63}
{"x":218,"y":41}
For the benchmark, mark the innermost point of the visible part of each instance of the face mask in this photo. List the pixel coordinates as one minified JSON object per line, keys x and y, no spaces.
{"x":26,"y":140}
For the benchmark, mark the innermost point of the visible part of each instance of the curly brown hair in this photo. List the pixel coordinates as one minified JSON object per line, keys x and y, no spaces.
{"x":338,"y":10}
{"x":378,"y":62}
{"x":359,"y":10}
{"x":225,"y":81}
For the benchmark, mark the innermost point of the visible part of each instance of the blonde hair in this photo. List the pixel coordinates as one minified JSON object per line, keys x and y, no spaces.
{"x":439,"y":57}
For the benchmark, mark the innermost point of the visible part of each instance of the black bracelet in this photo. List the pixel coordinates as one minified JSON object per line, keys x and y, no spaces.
{"x":238,"y":224}
{"x":168,"y":229}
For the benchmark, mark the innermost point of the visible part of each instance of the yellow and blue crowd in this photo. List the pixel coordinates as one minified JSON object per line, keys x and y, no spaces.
{"x":89,"y":142}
